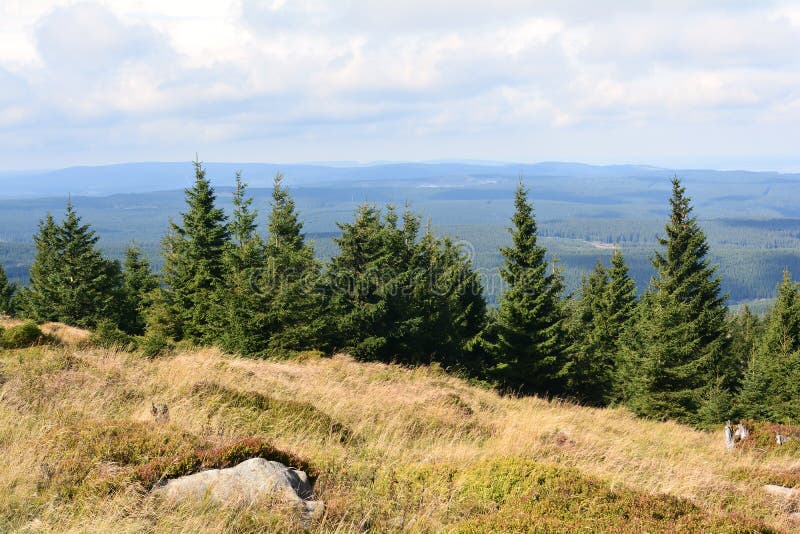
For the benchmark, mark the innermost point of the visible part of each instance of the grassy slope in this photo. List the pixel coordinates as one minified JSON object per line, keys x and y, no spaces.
{"x":396,"y":449}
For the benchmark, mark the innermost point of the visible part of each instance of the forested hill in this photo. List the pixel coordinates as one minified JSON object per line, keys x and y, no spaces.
{"x":752,"y":219}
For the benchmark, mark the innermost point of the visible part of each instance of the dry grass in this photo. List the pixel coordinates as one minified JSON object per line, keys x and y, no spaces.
{"x":396,"y":448}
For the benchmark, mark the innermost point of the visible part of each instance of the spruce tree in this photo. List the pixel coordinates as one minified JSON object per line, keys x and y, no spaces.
{"x":243,"y":326}
{"x":397,"y":297}
{"x":71,"y":281}
{"x":193,"y":263}
{"x":677,"y":357}
{"x":527,"y":338}
{"x":41,"y":291}
{"x":771,"y":384}
{"x":293,"y":282}
{"x":621,"y":302}
{"x":590,"y":368}
{"x":138,"y":284}
{"x":443,"y":310}
{"x":360,"y":276}
{"x":7,"y":290}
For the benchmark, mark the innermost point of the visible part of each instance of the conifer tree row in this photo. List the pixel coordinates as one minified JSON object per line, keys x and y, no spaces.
{"x":398,"y":292}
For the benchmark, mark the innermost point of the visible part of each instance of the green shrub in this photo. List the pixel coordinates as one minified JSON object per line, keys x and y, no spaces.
{"x":516,"y":495}
{"x":108,"y":336}
{"x":21,"y":336}
{"x":284,"y":414}
{"x":154,"y":344}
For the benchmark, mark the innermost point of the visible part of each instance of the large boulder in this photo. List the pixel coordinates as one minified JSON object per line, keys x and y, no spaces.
{"x":247,"y":483}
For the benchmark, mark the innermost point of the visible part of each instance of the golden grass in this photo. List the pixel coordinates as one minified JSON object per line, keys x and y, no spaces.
{"x":399,"y":421}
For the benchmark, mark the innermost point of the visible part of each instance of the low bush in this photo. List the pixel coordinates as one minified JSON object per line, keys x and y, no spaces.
{"x":154,"y":344}
{"x":287,"y":414}
{"x":519,"y":495}
{"x":25,"y":335}
{"x":108,"y":336}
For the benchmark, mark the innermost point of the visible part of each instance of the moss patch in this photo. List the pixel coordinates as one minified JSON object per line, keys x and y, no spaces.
{"x":277,"y":413}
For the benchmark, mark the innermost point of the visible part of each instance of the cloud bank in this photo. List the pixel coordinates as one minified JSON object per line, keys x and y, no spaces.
{"x":673,"y":83}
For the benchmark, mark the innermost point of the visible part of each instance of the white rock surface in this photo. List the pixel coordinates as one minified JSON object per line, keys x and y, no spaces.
{"x":247,"y":483}
{"x":781,"y":491}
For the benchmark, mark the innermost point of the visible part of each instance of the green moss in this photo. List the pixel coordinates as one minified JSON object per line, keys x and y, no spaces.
{"x":269,"y":412}
{"x":519,"y":495}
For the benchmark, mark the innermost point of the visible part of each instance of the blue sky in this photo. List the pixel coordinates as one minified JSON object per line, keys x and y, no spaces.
{"x":672,"y":83}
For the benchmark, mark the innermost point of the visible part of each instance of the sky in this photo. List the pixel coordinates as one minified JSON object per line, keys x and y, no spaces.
{"x":675,"y":83}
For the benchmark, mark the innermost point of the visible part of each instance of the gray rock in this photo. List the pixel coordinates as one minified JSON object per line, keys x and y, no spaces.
{"x":247,"y":483}
{"x":781,"y":491}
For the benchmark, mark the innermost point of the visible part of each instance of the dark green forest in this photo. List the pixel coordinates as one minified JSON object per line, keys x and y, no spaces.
{"x":633,"y":314}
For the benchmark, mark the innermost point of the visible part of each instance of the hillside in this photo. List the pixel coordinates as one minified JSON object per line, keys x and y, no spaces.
{"x":395,"y":449}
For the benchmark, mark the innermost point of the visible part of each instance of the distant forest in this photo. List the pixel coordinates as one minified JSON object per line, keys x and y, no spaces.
{"x":752,"y":220}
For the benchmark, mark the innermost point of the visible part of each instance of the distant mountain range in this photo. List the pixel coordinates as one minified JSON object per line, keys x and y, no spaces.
{"x":145,"y":177}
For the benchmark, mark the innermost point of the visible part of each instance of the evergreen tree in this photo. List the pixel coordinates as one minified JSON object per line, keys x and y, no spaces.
{"x":293,"y":282}
{"x":527,"y":338}
{"x":678,"y":359}
{"x":71,"y":282}
{"x":138,"y":284}
{"x":771,"y":384}
{"x":444,"y":310}
{"x":621,"y":301}
{"x":744,"y":331}
{"x":243,"y":327}
{"x":7,"y":290}
{"x":41,"y":290}
{"x":621,"y":296}
{"x":362,"y":279}
{"x":590,"y":370}
{"x":398,"y":297}
{"x":193,"y":263}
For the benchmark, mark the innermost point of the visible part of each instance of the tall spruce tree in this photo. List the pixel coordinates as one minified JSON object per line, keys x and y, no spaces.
{"x":138,"y":283}
{"x":678,"y":362}
{"x":71,"y":281}
{"x":243,"y":327}
{"x":193,"y":263}
{"x":771,"y":383}
{"x":7,"y":291}
{"x":295,"y":313}
{"x":527,"y":337}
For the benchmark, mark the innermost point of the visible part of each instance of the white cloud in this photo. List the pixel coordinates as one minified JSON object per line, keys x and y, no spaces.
{"x":312,"y":79}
